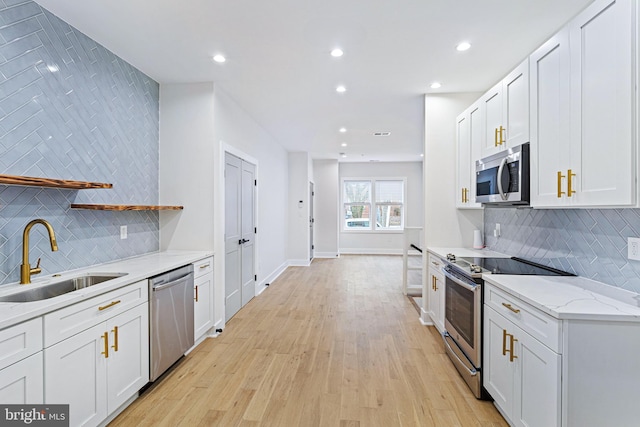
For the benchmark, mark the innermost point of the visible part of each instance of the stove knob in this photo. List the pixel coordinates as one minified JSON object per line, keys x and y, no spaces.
{"x":476,"y":268}
{"x":451,"y":257}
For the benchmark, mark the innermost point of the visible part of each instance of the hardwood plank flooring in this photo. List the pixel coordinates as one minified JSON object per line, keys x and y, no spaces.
{"x":333,"y":344}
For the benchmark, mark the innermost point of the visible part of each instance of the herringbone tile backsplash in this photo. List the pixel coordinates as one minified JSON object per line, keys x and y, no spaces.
{"x":587,"y":242}
{"x":71,"y":109}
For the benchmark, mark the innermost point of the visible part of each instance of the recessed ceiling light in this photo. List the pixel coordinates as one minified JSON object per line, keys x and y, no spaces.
{"x":337,"y":53}
{"x":341,"y":89}
{"x":343,"y":155}
{"x":219,"y":58}
{"x":344,"y":144}
{"x":421,"y":154}
{"x":343,"y":130}
{"x":463,"y":46}
{"x":435,"y":85}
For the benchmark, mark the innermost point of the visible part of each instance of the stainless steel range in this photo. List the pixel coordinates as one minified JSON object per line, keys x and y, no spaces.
{"x":463,"y":308}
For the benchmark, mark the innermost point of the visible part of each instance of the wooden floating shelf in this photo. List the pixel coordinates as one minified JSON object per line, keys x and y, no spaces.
{"x":30,"y":181}
{"x":97,"y":207}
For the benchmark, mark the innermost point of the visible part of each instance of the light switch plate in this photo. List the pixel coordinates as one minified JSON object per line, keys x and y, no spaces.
{"x":633,"y":248}
{"x":123,"y":232}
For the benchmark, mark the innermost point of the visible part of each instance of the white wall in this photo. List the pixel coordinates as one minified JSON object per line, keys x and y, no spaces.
{"x":197,"y":121}
{"x":445,"y":226}
{"x":387,"y":242}
{"x":326,"y":207}
{"x":299,"y":236}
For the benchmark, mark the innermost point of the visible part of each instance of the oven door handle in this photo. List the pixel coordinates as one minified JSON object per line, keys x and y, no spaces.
{"x":465,"y":285}
{"x":472,"y":371}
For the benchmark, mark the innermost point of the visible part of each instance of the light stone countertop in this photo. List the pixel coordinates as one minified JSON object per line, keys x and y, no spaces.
{"x":562,"y":297}
{"x":137,"y":268}
{"x":576,"y":298}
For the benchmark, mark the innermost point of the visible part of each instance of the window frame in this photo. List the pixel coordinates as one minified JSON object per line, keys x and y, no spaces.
{"x":373,"y":205}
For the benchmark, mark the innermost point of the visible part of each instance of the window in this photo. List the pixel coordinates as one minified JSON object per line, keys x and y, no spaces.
{"x":373,"y":204}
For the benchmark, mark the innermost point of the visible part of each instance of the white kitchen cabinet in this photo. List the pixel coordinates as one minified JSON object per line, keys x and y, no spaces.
{"x":101,"y":367}
{"x":21,"y":363}
{"x":583,"y":109}
{"x":22,"y":382}
{"x":505,"y":112}
{"x":520,"y":373}
{"x":203,"y":297}
{"x":469,"y":132}
{"x":435,"y":288}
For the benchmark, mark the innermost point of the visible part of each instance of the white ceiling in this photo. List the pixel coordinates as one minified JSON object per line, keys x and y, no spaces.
{"x":279,"y":69}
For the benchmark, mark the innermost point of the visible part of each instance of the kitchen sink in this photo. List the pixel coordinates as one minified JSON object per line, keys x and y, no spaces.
{"x":60,"y":288}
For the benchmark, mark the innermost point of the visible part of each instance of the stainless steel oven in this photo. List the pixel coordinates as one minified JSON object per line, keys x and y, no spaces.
{"x":463,"y":326}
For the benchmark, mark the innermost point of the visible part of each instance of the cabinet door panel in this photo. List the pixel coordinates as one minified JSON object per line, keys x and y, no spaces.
{"x":492,"y":106}
{"x":550,"y":119}
{"x":203,"y":307}
{"x":75,"y":374}
{"x":22,"y":382}
{"x":498,"y":370}
{"x":602,"y":103}
{"x":516,"y":106}
{"x":128,"y":367}
{"x":476,"y":134}
{"x":464,"y":160}
{"x":537,"y":400}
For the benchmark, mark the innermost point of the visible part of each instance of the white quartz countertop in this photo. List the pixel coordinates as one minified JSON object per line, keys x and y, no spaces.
{"x":466,"y":252}
{"x":571,"y":297}
{"x":136,"y":269}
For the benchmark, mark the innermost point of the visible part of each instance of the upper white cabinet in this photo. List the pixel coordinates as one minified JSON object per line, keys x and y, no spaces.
{"x":469,"y":134}
{"x":505,"y":112}
{"x":583,"y":95}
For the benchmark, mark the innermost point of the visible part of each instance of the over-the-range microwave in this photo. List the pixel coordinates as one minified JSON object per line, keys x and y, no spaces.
{"x":503,"y":178}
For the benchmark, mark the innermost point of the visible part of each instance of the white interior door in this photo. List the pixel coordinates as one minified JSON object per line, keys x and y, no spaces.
{"x":248,"y":232}
{"x":311,"y":220}
{"x":239,"y":234}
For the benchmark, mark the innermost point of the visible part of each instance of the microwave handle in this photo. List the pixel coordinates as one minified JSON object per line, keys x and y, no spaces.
{"x":503,"y":194}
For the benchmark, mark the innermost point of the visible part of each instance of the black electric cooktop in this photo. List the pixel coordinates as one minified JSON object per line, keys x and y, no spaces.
{"x":514,"y":265}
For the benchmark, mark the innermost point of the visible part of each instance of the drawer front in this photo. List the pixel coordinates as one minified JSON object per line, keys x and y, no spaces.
{"x":541,"y":326}
{"x":202,"y":267}
{"x":20,"y":341}
{"x":435,"y":262}
{"x":68,"y":321}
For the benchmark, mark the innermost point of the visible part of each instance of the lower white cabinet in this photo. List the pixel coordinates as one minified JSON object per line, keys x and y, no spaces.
{"x":22,"y":382}
{"x":203,"y":297}
{"x":435,"y":289}
{"x":521,"y":374}
{"x":100,"y":368}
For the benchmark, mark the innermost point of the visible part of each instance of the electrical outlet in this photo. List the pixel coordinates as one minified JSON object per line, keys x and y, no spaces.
{"x":633,"y":248}
{"x":496,"y":232}
{"x":123,"y":232}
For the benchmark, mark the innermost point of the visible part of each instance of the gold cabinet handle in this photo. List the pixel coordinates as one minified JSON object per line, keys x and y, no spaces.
{"x":106,"y":345}
{"x":111,"y":304}
{"x":504,"y":342}
{"x":435,"y":263}
{"x":501,"y":132}
{"x":511,"y":355}
{"x":196,"y":294}
{"x":560,"y":192}
{"x":495,"y":137}
{"x":510,"y":307}
{"x":205,"y":265}
{"x":115,"y":338}
{"x":467,"y":195}
{"x":569,"y":189}
{"x":462,"y":197}
{"x":435,"y":283}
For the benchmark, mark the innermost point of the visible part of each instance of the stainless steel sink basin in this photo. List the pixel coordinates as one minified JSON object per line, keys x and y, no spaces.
{"x":59,"y":288}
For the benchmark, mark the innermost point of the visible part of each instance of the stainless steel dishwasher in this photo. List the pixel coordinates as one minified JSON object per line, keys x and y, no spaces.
{"x":170,"y":318}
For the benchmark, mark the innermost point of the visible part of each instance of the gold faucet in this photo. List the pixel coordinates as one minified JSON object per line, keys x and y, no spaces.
{"x":25,"y":269}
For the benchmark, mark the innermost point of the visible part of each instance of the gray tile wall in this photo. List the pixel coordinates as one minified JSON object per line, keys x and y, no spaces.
{"x":71,"y":109}
{"x":587,"y":242}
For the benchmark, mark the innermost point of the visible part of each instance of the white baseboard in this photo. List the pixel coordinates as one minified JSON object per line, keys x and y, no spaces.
{"x":273,"y":276}
{"x":425,"y":319}
{"x":326,"y":255}
{"x":299,"y":263}
{"x":370,"y":251}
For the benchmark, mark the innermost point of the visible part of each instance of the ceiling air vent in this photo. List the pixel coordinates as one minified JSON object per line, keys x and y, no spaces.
{"x":381,"y":133}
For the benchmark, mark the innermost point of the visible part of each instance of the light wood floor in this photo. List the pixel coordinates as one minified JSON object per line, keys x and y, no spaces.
{"x":333,"y":344}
